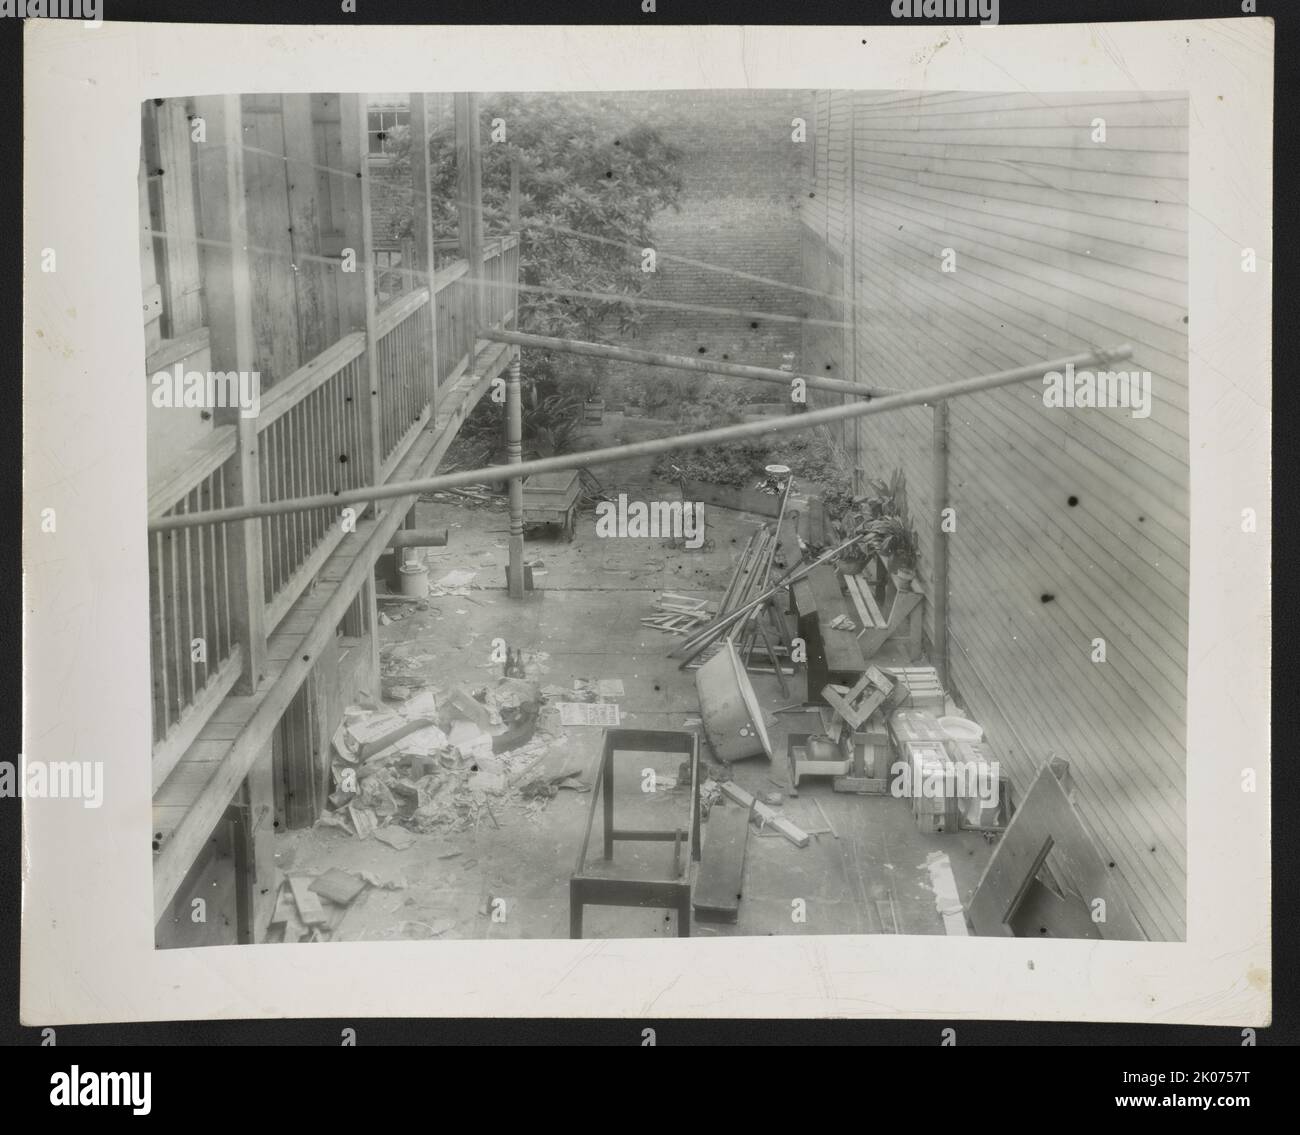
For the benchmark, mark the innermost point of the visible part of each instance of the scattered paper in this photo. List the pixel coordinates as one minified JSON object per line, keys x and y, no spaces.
{"x":589,"y":713}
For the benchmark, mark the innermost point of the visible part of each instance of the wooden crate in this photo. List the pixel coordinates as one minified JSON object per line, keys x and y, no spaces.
{"x":973,"y":815}
{"x":930,"y":768}
{"x":920,"y":688}
{"x":907,"y":725}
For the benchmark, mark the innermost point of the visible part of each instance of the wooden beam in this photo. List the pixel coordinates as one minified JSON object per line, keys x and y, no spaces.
{"x":304,"y":225}
{"x":514,"y":456}
{"x":850,"y":291}
{"x":939,"y":542}
{"x":721,"y":877}
{"x":422,"y":187}
{"x":514,"y":193}
{"x":152,"y":308}
{"x":228,"y":277}
{"x":478,"y":283}
{"x":169,"y":154}
{"x":764,"y":815}
{"x":360,"y":238}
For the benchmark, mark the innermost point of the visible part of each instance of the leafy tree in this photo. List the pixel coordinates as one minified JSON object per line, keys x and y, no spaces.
{"x":585,"y":167}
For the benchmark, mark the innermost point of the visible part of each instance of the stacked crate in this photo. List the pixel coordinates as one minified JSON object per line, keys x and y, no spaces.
{"x":934,"y":796}
{"x":923,"y":761}
{"x":973,"y":812}
{"x":919,"y":687}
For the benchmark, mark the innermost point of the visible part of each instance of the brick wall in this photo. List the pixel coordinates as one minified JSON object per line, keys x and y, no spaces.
{"x":391,"y":193}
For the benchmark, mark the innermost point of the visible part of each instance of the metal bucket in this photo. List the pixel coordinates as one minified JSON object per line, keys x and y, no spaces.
{"x":733,"y":721}
{"x":413,"y":577}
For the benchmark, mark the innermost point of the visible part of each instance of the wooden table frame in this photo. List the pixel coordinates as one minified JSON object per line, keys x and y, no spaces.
{"x":671,"y":894}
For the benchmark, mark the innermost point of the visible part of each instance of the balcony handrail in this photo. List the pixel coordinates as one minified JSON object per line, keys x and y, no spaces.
{"x":178,"y":480}
{"x":200,"y":459}
{"x":305,"y":548}
{"x":284,"y":395}
{"x":391,"y":314}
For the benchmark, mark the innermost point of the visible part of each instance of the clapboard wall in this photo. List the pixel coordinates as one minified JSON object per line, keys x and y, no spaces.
{"x":1072,"y":524}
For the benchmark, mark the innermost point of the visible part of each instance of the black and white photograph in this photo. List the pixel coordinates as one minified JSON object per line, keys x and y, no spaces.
{"x":728,"y":513}
{"x":920,"y":671}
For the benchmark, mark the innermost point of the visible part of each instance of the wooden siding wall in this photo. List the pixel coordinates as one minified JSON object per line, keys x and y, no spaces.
{"x":1062,"y":244}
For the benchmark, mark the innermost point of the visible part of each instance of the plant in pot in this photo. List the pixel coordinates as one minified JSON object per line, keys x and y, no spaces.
{"x":893,"y":538}
{"x":886,"y":499}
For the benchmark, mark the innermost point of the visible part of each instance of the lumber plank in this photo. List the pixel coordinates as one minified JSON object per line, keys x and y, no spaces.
{"x":765,"y":816}
{"x":1048,"y":821}
{"x":722,"y":865}
{"x":865,"y":603}
{"x":309,"y":907}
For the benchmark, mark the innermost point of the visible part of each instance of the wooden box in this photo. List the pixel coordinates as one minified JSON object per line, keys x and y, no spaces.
{"x":978,"y":770}
{"x":921,"y":688}
{"x":935,"y":804}
{"x":871,"y":750}
{"x":908,"y":725}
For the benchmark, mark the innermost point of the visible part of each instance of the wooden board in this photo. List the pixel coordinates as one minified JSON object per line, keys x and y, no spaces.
{"x":900,"y":613}
{"x":1047,"y":822}
{"x":868,"y":611}
{"x":722,"y":865}
{"x":309,"y":907}
{"x":765,"y":816}
{"x":731,"y":497}
{"x":338,"y":886}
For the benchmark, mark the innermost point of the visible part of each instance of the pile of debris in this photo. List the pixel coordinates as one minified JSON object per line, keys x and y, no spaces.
{"x":679,"y":614}
{"x":474,"y":497}
{"x":435,"y":762}
{"x":314,"y":907}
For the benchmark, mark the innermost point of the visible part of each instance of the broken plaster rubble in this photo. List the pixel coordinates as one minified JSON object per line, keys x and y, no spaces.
{"x":439,"y":760}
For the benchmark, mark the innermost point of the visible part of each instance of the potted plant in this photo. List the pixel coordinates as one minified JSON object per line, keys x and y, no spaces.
{"x":893,"y":538}
{"x":886,"y":499}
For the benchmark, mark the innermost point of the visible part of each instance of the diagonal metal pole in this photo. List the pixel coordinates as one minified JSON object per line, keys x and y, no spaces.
{"x":682,"y":362}
{"x":494,"y":474}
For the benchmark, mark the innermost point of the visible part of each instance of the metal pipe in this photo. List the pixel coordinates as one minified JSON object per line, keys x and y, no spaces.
{"x":692,"y":645}
{"x":939,"y":542}
{"x":682,"y":362}
{"x":418,"y":538}
{"x":514,"y":456}
{"x":495,"y":474}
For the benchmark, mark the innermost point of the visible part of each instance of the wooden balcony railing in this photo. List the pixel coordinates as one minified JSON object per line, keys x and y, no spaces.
{"x":405,"y":387}
{"x":311,"y":440}
{"x":313,"y":437}
{"x":193,"y":655}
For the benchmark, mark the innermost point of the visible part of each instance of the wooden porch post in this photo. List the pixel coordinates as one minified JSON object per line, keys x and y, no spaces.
{"x":304,"y":217}
{"x":939,"y":543}
{"x":360,"y":238}
{"x":514,"y":455}
{"x":424,"y":253}
{"x":514,"y":194}
{"x":228,"y":283}
{"x":851,"y":291}
{"x":469,"y":207}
